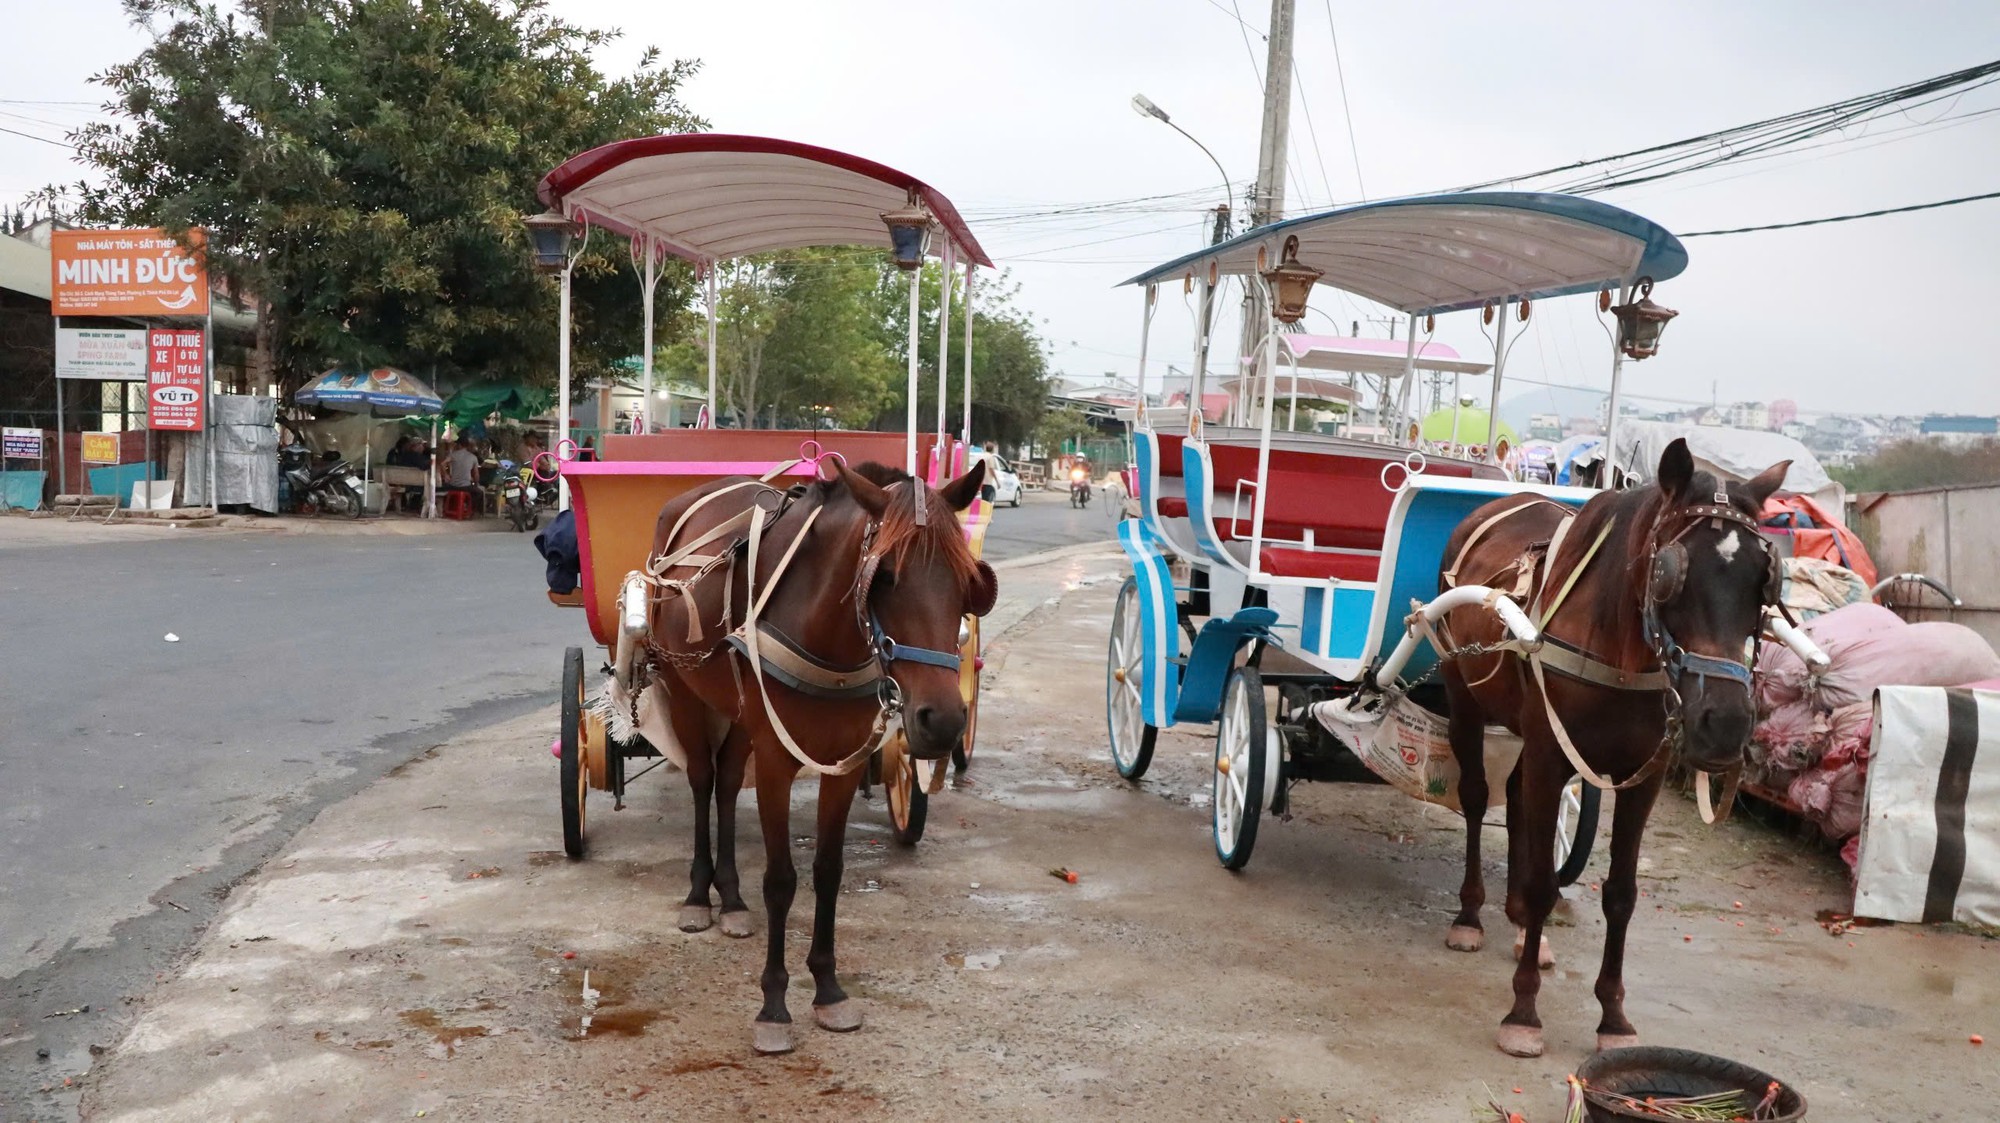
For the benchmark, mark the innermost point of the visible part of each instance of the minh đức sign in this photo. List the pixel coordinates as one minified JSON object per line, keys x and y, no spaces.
{"x":126,"y":273}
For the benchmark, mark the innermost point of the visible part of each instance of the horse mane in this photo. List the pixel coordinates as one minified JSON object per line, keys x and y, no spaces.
{"x":1634,"y":513}
{"x":899,"y":538}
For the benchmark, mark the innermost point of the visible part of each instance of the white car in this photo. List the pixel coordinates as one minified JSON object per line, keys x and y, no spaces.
{"x":1005,"y":483}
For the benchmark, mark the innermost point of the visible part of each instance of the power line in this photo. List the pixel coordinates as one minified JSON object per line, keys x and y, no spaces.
{"x":1846,"y":217}
{"x":43,"y":139}
{"x":1312,"y":131}
{"x":1340,"y":72}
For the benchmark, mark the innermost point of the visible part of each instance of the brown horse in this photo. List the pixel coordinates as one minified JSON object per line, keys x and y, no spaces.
{"x":1643,"y":652}
{"x":849,"y":593}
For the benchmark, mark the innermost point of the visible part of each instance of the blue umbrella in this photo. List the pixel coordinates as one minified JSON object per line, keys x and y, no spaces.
{"x":382,"y":392}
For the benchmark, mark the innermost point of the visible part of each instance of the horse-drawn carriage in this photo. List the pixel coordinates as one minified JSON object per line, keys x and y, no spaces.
{"x":1345,"y":609}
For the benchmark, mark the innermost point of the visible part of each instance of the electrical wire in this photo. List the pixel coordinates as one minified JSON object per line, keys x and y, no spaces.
{"x":1305,"y":103}
{"x":1846,"y":217}
{"x":43,"y":139}
{"x":1346,"y":107}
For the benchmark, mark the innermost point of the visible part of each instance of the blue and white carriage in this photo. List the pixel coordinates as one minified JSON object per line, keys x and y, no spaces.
{"x":1291,"y":561}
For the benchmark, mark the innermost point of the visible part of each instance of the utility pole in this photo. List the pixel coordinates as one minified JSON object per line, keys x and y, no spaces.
{"x":1267,"y":205}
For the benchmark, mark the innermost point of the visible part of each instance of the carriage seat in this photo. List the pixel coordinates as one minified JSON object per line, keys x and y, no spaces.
{"x":1172,"y":507}
{"x":1319,"y":564}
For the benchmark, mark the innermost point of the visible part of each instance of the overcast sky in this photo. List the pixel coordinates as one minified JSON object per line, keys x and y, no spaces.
{"x":1024,"y":105}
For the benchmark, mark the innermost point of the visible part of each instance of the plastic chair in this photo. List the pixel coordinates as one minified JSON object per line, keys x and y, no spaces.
{"x":455,"y":504}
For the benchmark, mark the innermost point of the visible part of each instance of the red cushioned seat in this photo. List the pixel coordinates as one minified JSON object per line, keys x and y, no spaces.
{"x":1172,"y":507}
{"x":1308,"y":563}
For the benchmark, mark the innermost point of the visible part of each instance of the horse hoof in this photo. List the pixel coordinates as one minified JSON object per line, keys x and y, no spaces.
{"x":771,"y":1038}
{"x":841,"y":1017}
{"x":1462,"y":938}
{"x":1616,"y":1041}
{"x":695,"y":918}
{"x":1545,"y":959}
{"x":736,"y":925}
{"x":1520,"y":1041}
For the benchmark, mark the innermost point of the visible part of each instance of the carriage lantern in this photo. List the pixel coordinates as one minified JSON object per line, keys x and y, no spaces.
{"x":551,"y":232}
{"x":1641,"y":322}
{"x":1291,"y":283}
{"x":909,"y":234}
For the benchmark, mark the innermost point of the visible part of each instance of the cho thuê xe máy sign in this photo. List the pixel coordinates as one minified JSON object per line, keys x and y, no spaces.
{"x":100,"y":448}
{"x":126,"y":273}
{"x":176,"y":382}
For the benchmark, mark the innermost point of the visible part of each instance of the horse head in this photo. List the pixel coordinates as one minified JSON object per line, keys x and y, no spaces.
{"x":917,"y":582}
{"x":1709,"y":574}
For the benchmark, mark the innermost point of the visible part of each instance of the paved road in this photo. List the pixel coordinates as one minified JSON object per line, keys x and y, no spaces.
{"x":140,"y":779}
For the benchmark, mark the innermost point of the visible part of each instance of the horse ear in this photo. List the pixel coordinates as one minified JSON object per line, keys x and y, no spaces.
{"x":1676,"y":472}
{"x":1767,"y":481}
{"x":983,"y":590}
{"x":873,"y":499}
{"x":962,"y":491}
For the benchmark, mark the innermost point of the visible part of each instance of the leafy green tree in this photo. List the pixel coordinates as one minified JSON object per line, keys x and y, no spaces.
{"x":1010,"y":368}
{"x":1916,"y":464}
{"x":362,"y":168}
{"x":1058,"y":428}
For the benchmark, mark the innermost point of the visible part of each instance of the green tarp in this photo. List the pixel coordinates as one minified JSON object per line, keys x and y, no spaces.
{"x":479,"y":401}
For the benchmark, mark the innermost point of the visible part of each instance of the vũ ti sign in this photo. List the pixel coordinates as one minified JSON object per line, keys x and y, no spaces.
{"x":176,"y":385}
{"x":126,"y":273}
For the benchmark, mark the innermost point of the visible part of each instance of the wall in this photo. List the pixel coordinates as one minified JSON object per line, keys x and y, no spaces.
{"x":1951,"y":534}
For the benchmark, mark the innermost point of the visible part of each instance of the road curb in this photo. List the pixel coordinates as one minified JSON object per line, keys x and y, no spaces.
{"x":1080,"y":549}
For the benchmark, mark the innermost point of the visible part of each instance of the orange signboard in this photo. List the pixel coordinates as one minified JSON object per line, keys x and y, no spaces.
{"x":126,"y":273}
{"x":100,"y":448}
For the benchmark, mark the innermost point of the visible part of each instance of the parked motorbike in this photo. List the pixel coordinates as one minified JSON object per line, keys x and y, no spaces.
{"x":521,"y":500}
{"x":332,"y":487}
{"x":1079,"y":487}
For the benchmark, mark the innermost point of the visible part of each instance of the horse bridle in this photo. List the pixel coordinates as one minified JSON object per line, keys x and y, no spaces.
{"x":1667,"y":566}
{"x":887,"y":651}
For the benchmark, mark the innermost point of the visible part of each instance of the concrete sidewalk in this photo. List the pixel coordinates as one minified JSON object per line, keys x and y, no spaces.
{"x":424,"y":950}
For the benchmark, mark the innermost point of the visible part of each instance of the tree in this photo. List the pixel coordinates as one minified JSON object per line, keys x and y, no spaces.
{"x":362,"y":167}
{"x":1010,"y":368}
{"x":1058,"y":427}
{"x":1915,"y":464}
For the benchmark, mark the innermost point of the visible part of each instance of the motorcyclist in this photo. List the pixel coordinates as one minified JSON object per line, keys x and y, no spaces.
{"x":1079,"y":481}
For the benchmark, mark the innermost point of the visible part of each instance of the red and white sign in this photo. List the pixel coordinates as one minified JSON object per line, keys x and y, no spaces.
{"x":176,"y":382}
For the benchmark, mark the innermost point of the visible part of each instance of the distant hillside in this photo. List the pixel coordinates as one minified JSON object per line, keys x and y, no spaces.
{"x":1519,"y":406}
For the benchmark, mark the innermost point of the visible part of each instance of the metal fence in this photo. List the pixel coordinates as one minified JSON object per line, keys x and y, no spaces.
{"x":1949,"y":533}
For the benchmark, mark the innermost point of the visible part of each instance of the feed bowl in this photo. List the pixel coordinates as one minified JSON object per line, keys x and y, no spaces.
{"x":1651,"y":1070}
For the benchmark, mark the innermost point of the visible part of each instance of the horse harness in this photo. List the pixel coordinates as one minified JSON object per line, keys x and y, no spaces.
{"x":1667,"y":566}
{"x":770,"y":652}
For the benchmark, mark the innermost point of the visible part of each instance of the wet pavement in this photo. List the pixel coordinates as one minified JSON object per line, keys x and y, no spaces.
{"x":422,"y":949}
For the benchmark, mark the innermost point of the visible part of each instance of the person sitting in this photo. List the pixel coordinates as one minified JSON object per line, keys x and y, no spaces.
{"x":461,"y":472}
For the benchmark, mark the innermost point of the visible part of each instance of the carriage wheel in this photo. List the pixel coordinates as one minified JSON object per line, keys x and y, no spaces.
{"x":575,"y":777}
{"x":1576,"y":829}
{"x":968,"y":689}
{"x":1246,"y":767}
{"x":1131,"y":738}
{"x":909,"y":804}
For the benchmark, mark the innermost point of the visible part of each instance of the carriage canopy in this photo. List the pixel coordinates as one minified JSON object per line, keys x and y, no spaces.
{"x":1444,"y":253}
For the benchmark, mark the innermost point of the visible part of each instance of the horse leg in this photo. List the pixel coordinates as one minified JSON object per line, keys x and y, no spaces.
{"x":1468,"y":745}
{"x":1621,"y":892}
{"x":735,"y":918}
{"x":688,"y":720}
{"x":772,"y":1032}
{"x":831,"y":1008}
{"x":1545,"y":956}
{"x":1531,"y":882}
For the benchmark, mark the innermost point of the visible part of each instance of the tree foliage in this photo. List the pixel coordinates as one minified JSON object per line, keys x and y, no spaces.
{"x":1010,"y":367}
{"x":1916,"y":464}
{"x":362,"y":167}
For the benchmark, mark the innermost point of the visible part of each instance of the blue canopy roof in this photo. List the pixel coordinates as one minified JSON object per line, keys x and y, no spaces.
{"x":1442,"y":253}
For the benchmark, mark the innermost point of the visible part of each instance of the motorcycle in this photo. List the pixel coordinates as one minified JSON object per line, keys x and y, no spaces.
{"x":520,"y":499}
{"x":333,"y":487}
{"x":1079,"y":487}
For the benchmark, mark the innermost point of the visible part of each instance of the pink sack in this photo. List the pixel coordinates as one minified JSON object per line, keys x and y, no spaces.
{"x":1933,"y":654}
{"x":1781,"y":675}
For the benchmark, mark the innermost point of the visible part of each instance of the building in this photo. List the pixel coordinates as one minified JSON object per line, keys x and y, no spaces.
{"x":1784,"y":411}
{"x":1545,"y":427}
{"x":1958,"y":430}
{"x":1748,"y":415}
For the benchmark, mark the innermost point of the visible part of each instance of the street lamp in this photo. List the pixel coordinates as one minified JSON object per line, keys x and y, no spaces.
{"x":1144,"y":107}
{"x":1641,"y":322}
{"x":550,"y":232}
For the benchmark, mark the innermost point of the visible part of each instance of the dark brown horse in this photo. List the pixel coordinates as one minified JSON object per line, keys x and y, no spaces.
{"x":857,"y":586}
{"x":1643,"y":652}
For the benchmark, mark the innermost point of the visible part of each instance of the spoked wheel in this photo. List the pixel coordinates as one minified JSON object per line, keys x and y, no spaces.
{"x":909,"y":804}
{"x":1131,"y":738}
{"x":575,"y":774}
{"x":968,"y":689}
{"x":1576,"y":829}
{"x":1246,"y":767}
